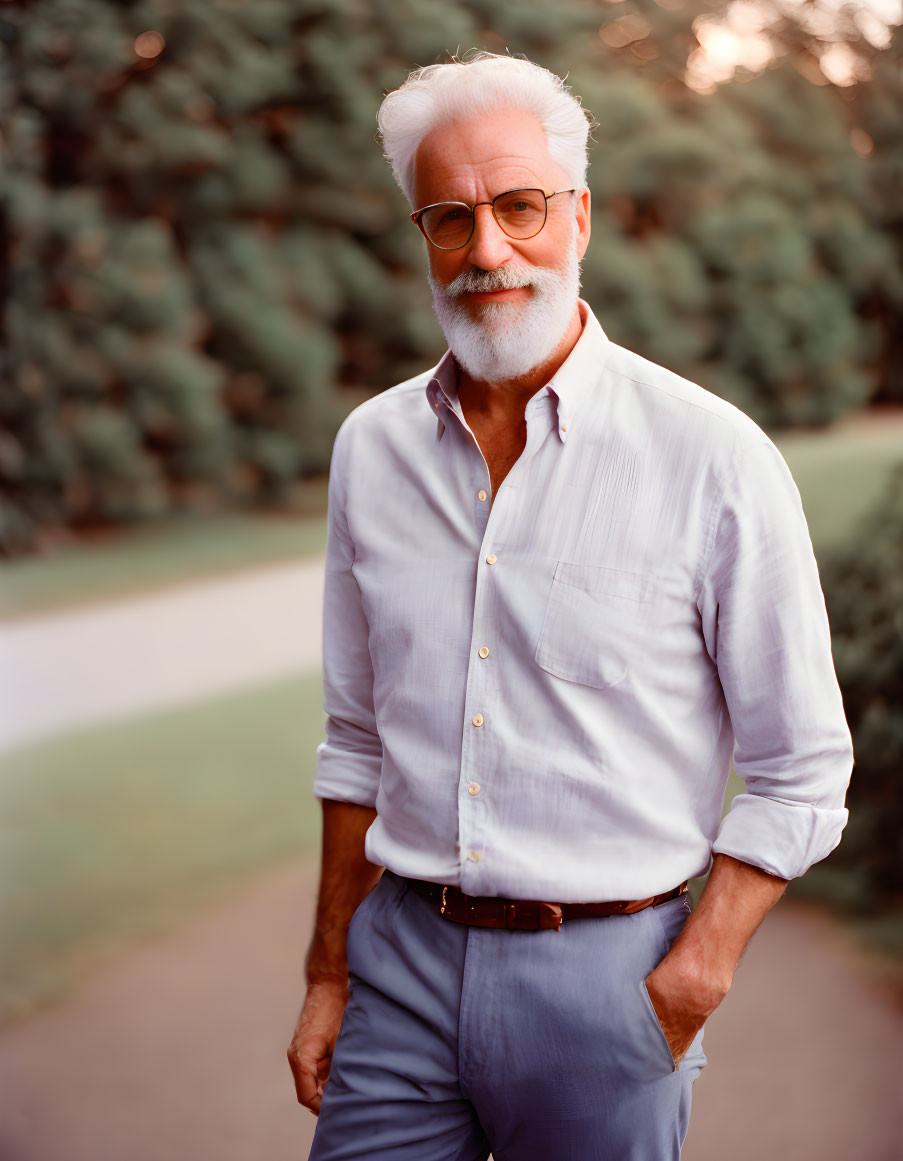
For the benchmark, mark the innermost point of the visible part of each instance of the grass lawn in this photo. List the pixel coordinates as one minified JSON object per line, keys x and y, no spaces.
{"x":153,"y":557}
{"x":115,"y":834}
{"x":841,"y":473}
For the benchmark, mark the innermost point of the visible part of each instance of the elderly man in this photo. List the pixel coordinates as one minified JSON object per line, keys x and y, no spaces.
{"x":564,"y":587}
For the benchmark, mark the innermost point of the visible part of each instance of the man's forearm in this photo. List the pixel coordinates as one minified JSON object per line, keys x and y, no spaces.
{"x":736,"y":899}
{"x":345,"y":878}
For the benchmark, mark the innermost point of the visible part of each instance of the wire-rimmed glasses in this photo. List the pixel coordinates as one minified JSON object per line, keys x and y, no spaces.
{"x":520,"y":213}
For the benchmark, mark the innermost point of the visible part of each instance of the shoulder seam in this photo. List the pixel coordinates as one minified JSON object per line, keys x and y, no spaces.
{"x":699,"y":405}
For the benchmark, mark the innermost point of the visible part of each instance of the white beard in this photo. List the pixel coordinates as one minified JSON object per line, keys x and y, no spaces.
{"x":496,"y":342}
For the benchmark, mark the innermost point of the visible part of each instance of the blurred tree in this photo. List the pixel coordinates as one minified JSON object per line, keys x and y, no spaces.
{"x":877,"y":113}
{"x":204,"y":246}
{"x":749,"y":186}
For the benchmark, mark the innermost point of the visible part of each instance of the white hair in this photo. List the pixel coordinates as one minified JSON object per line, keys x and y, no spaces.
{"x":473,"y":86}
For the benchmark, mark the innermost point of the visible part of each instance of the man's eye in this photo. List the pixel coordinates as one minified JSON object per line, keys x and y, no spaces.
{"x":455,"y":214}
{"x":518,"y":207}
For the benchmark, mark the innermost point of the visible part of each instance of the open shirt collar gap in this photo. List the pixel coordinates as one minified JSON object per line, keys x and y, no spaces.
{"x":576,"y":375}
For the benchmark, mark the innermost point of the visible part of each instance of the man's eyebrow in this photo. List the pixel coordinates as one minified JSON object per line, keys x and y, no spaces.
{"x":492,"y":197}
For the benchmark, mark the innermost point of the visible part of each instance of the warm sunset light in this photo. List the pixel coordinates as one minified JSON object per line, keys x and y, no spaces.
{"x":149,"y":45}
{"x":723,"y":48}
{"x":739,"y":38}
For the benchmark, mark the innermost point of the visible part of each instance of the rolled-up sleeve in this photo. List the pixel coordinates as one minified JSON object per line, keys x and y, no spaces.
{"x":766,"y":627}
{"x":350,"y":759}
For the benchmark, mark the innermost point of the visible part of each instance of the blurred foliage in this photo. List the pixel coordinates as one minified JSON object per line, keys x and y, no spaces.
{"x":863,"y":585}
{"x":205,"y":250}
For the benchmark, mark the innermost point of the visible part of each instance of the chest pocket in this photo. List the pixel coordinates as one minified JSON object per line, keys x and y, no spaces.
{"x":598,"y":621}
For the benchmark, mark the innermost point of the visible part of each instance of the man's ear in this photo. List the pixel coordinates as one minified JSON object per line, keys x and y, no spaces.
{"x":583,"y":221}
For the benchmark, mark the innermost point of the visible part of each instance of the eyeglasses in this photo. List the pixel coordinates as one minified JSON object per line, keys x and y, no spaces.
{"x":521,"y":213}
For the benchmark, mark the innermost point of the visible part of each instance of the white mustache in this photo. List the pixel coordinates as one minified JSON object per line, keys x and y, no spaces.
{"x":480,"y":281}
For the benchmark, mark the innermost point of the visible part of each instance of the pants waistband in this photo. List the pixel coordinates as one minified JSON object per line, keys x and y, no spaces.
{"x":525,"y":914}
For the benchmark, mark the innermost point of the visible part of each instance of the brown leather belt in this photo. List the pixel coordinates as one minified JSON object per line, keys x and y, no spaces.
{"x":525,"y":914}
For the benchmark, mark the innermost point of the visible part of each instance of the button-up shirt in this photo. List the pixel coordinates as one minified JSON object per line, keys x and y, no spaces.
{"x":541,"y":691}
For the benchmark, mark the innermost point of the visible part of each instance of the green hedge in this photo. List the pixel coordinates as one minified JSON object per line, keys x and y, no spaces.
{"x":864,"y":591}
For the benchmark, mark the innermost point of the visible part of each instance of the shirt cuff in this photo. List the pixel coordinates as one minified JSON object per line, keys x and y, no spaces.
{"x":781,"y":837}
{"x":346,"y":777}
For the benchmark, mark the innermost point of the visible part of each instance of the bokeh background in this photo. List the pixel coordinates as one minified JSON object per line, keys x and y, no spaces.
{"x":206,"y":265}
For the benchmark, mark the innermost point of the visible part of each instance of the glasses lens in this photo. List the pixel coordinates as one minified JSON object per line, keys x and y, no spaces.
{"x":521,"y":213}
{"x":448,"y":225}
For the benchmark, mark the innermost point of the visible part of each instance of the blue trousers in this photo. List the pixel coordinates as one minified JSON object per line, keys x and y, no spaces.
{"x":532,"y":1045}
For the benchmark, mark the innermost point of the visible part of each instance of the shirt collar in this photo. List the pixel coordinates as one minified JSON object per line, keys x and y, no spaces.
{"x":442,"y":390}
{"x":579,"y":372}
{"x":571,"y":381}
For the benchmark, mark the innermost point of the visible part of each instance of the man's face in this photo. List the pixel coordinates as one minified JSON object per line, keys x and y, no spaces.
{"x":503,"y":303}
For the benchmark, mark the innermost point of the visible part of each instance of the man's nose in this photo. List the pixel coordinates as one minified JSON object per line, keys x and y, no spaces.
{"x":489,"y":245}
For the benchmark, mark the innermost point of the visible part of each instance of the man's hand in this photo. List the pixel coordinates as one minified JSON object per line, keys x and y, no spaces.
{"x":310,"y":1052}
{"x":683,"y":1001}
{"x":345,"y":878}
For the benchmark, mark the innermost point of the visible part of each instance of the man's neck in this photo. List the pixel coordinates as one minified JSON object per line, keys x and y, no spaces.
{"x":506,"y":401}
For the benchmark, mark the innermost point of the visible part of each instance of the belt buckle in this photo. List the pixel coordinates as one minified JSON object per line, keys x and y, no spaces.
{"x":532,"y":915}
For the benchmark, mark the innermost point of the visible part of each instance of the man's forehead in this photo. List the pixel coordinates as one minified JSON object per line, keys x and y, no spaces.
{"x":506,"y":149}
{"x":501,"y":175}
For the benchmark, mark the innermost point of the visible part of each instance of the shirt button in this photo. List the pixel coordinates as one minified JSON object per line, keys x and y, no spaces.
{"x":477,"y":719}
{"x":473,"y":788}
{"x":474,"y":856}
{"x":483,"y":652}
{"x":491,"y":558}
{"x":481,"y":495}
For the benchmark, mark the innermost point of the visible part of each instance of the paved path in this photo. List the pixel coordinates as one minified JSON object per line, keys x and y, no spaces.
{"x":63,"y":670}
{"x":175,"y":1052}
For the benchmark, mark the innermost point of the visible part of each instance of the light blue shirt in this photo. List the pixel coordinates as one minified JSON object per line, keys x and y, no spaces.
{"x":541,"y":692}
